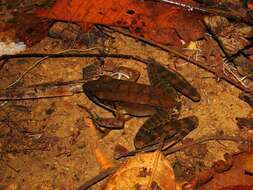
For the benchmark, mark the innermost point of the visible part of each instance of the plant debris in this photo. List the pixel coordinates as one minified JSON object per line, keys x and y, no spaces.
{"x":48,"y":139}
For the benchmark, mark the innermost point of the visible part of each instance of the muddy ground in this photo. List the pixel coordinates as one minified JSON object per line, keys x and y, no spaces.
{"x":45,"y":143}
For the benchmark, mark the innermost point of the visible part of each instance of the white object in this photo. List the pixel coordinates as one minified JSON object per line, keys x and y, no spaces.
{"x":11,"y":47}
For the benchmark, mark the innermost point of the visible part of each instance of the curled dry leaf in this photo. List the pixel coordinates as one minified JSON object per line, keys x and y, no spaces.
{"x":151,"y":170}
{"x":153,"y":20}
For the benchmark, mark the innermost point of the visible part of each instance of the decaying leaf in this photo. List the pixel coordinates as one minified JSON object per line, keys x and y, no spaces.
{"x":151,"y":170}
{"x":235,"y":176}
{"x":153,"y":20}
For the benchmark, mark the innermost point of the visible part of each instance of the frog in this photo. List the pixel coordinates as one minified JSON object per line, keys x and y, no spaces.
{"x":158,"y":101}
{"x":131,"y":99}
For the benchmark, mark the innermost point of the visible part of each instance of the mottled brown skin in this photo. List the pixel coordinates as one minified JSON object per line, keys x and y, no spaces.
{"x":165,"y":121}
{"x":174,"y":130}
{"x":127,"y":98}
{"x":160,"y":101}
{"x":115,"y":90}
{"x":168,"y":79}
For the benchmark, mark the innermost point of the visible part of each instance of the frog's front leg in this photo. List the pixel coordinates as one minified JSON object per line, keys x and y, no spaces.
{"x":111,"y":123}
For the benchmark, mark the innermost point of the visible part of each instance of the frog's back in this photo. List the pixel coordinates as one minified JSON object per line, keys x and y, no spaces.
{"x":107,"y":88}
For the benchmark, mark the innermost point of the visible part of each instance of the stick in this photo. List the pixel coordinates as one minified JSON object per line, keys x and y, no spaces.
{"x":35,"y":64}
{"x":98,"y":178}
{"x":201,"y":140}
{"x":66,"y":55}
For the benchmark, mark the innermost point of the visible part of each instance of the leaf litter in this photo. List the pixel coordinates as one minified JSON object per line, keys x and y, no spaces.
{"x":53,"y":148}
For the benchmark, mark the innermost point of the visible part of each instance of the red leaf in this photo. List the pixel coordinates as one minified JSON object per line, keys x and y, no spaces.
{"x":157,"y":21}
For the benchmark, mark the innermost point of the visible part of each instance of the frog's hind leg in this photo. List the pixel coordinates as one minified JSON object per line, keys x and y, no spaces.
{"x":146,"y":133}
{"x":171,"y":81}
{"x":175,"y":130}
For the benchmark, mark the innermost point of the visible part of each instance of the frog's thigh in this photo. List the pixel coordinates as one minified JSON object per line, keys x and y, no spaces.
{"x":174,"y":130}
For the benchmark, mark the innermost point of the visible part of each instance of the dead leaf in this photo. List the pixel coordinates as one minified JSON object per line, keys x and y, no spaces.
{"x":137,"y":172}
{"x":235,"y":176}
{"x":157,"y":21}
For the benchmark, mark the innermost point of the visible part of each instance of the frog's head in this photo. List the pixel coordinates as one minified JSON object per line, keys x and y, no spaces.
{"x":90,"y":88}
{"x":94,"y":88}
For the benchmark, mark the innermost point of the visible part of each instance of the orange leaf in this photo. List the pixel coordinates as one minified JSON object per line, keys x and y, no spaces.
{"x":144,"y":171}
{"x":157,"y":21}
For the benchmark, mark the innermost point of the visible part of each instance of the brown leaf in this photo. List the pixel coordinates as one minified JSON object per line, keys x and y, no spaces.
{"x":235,"y":176}
{"x":137,"y":172}
{"x":157,"y":21}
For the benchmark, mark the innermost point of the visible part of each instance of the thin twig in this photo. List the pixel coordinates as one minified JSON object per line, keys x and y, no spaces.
{"x":42,"y":59}
{"x":156,"y":161}
{"x":201,"y":140}
{"x":67,"y":55}
{"x":102,"y":175}
{"x":10,"y":166}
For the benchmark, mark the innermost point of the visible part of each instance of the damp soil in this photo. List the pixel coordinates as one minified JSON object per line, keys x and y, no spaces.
{"x":45,"y":143}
